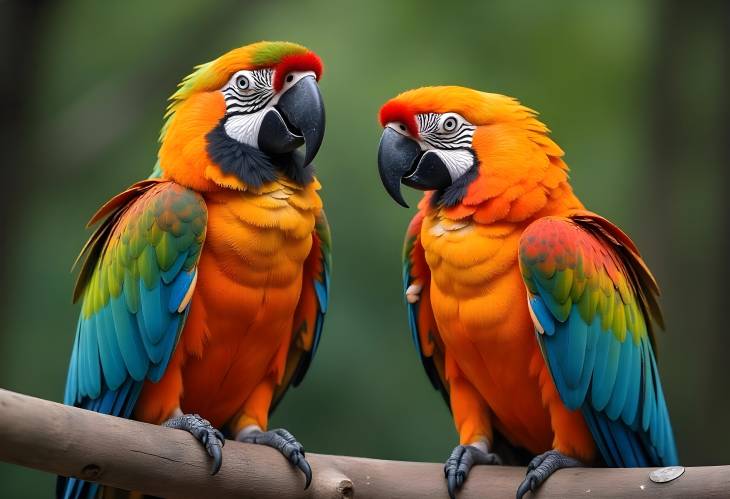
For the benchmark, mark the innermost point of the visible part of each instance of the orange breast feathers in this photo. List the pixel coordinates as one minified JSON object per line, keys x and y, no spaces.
{"x":497,"y":377}
{"x":478,"y":296}
{"x":239,"y":328}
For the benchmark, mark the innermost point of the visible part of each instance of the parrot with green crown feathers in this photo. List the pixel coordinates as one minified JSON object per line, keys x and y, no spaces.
{"x":534,"y":317}
{"x":203,"y":290}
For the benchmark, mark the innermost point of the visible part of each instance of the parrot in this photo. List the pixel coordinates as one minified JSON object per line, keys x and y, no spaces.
{"x":204,"y":288}
{"x":534,"y":317}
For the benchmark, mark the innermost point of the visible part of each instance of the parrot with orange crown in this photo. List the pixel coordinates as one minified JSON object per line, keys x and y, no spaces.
{"x":534,"y":317}
{"x":204,"y":288}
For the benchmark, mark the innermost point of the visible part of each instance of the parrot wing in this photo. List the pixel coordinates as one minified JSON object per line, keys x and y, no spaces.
{"x":310,"y":312}
{"x":137,"y":277}
{"x":593,"y":300}
{"x":424,"y":330}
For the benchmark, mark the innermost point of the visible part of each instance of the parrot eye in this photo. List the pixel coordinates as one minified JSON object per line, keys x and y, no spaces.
{"x":449,"y":124}
{"x":242,"y":83}
{"x":290,"y":78}
{"x":248,"y":91}
{"x":445,"y":131}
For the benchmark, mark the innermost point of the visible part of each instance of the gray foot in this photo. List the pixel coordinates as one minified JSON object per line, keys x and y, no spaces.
{"x":541,"y":467}
{"x":284,"y":442}
{"x":460,"y":462}
{"x":201,"y":429}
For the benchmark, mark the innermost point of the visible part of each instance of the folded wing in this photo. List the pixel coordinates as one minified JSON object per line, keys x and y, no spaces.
{"x":593,"y":301}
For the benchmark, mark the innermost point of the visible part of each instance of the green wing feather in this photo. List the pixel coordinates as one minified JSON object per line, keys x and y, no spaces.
{"x":135,"y":283}
{"x":138,"y":270}
{"x":593,"y":300}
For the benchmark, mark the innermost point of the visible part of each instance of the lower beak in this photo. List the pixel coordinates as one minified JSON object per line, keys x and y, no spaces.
{"x":297,"y":119}
{"x":401,"y":160}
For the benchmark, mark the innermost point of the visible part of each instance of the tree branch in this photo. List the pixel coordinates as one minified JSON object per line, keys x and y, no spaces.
{"x":169,"y":463}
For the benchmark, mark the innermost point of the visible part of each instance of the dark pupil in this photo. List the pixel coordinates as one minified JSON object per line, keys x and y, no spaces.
{"x":289,"y":78}
{"x":450,"y":124}
{"x":403,"y":127}
{"x":242,"y":82}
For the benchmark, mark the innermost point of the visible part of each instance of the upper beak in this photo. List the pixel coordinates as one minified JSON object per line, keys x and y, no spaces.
{"x":297,"y":119}
{"x":400,"y":159}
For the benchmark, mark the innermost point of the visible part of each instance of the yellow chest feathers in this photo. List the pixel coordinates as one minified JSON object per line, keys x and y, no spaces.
{"x":267,"y":230}
{"x":464,"y":256}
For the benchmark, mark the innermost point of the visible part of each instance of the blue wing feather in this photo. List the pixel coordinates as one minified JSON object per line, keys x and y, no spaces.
{"x":412,"y":307}
{"x":322,"y":290}
{"x":612,"y":378}
{"x":130,"y":344}
{"x":132,"y":336}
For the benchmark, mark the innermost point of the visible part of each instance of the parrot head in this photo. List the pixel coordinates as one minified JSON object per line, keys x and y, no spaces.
{"x":245,"y":118}
{"x":455,"y":140}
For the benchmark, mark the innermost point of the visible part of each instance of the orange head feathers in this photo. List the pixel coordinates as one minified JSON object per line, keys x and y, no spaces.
{"x":478,"y":154}
{"x":239,"y":121}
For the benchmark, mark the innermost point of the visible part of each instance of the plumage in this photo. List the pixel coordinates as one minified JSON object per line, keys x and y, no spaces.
{"x":534,"y":317}
{"x":112,"y":326}
{"x":201,"y":292}
{"x":624,"y":390}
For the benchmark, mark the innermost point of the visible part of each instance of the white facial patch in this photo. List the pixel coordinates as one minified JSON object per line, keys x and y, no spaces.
{"x":444,"y":131}
{"x":457,"y":161}
{"x":249,"y":95}
{"x":447,"y":135}
{"x":245,"y":127}
{"x":450,"y":137}
{"x":248,"y":91}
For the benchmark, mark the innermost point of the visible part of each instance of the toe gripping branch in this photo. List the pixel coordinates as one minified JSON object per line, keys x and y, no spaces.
{"x":461,"y":461}
{"x":285,"y":443}
{"x":541,"y":467}
{"x":203,"y":431}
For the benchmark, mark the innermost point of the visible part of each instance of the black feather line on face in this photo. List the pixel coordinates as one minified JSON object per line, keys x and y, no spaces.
{"x":249,"y":164}
{"x":453,"y":194}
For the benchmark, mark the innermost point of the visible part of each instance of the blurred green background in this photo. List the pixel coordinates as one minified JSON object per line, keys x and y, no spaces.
{"x":636,"y":92}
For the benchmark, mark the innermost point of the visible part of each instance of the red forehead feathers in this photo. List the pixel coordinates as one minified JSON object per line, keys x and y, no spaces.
{"x":309,"y":61}
{"x":400,"y":112}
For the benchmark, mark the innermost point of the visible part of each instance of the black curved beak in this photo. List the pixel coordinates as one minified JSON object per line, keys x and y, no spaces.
{"x":401,"y":160}
{"x":296,"y":120}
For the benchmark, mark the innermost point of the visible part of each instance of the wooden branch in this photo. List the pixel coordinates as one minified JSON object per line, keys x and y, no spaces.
{"x":169,"y":463}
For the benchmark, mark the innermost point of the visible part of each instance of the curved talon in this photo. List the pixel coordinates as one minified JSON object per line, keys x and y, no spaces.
{"x":541,"y":468}
{"x":303,"y":465}
{"x":451,"y":485}
{"x":460,"y":462}
{"x":203,"y":431}
{"x":283,"y":441}
{"x":215,"y":452}
{"x":527,"y":485}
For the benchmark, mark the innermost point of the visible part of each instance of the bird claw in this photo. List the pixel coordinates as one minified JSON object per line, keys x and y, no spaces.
{"x":283,"y":441}
{"x":461,"y":460}
{"x":540,"y":469}
{"x":199,"y":427}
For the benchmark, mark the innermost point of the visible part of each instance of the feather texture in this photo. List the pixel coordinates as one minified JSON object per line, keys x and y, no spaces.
{"x":137,"y":268}
{"x":594,"y":299}
{"x":516,"y":223}
{"x":424,"y":330}
{"x":312,"y":307}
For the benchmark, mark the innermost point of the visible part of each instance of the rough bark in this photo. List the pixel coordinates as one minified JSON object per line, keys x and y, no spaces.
{"x":169,"y":463}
